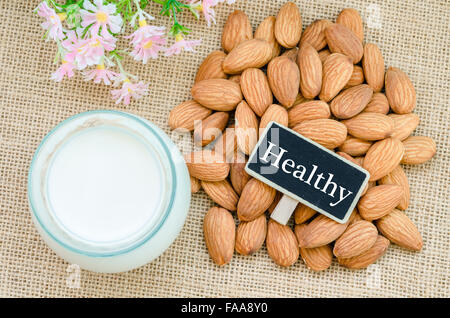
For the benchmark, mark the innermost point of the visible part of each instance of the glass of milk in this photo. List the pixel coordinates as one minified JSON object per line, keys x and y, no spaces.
{"x":108,"y":190}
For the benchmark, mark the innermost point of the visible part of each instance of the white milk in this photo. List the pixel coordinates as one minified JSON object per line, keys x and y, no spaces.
{"x":104,"y":185}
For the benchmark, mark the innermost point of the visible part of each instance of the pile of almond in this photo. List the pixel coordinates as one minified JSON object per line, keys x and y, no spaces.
{"x":327,"y":85}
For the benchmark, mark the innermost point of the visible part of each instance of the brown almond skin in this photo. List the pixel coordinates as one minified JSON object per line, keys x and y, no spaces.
{"x":255,"y":198}
{"x":326,"y":132}
{"x":357,"y":238}
{"x":281,"y":244}
{"x":314,"y":34}
{"x":256,"y":90}
{"x":337,"y":70}
{"x":310,"y":67}
{"x":373,"y":66}
{"x":379,"y":201}
{"x":303,"y":213}
{"x":226,"y":144}
{"x":284,"y":80}
{"x":250,"y":236}
{"x":274,"y":113}
{"x":315,"y":109}
{"x":383,"y":157}
{"x":278,"y":196}
{"x":418,"y":149}
{"x":317,"y":259}
{"x":370,"y":126}
{"x":400,"y":91}
{"x":351,"y":101}
{"x":207,"y":165}
{"x":321,"y":231}
{"x":220,"y":232}
{"x":266,"y":31}
{"x":351,"y":19}
{"x":217,"y":94}
{"x":211,"y":67}
{"x":404,"y":125}
{"x":288,"y":25}
{"x":378,"y":104}
{"x":210,"y":128}
{"x":324,"y":54}
{"x":398,"y":177}
{"x":355,"y":146}
{"x":357,"y":77}
{"x":238,"y":176}
{"x":340,"y":39}
{"x":246,"y":128}
{"x":251,"y":53}
{"x":195,"y":185}
{"x":186,"y":114}
{"x":399,"y":229}
{"x":236,"y":30}
{"x":222,"y":193}
{"x":368,"y":257}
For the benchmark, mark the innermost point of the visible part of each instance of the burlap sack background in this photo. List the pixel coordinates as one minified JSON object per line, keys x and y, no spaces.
{"x":413,"y":35}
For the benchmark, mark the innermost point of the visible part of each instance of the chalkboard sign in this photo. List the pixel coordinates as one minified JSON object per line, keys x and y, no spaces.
{"x":307,"y":172}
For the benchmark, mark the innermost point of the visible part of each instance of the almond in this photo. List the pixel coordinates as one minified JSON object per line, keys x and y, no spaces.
{"x":326,"y":132}
{"x":357,"y":238}
{"x":211,"y":67}
{"x":399,"y":229}
{"x":303,"y":213}
{"x":235,"y":78}
{"x":357,"y":77}
{"x":226,"y":144}
{"x":340,"y":39}
{"x":219,"y":230}
{"x":274,"y":113}
{"x":284,"y":80}
{"x":368,"y":257}
{"x":266,"y":31}
{"x":278,"y":196}
{"x":195,"y":185}
{"x":310,"y":67}
{"x":373,"y":66}
{"x":418,"y":149}
{"x":256,"y":90}
{"x":355,"y":146}
{"x":404,"y":125}
{"x":288,"y":25}
{"x":378,"y":104}
{"x":321,"y":231}
{"x":217,"y":94}
{"x":379,"y":201}
{"x":222,"y":193}
{"x":255,"y":198}
{"x":383,"y":157}
{"x":351,"y":101}
{"x":370,"y":126}
{"x":236,"y":30}
{"x":238,"y":176}
{"x":398,"y":177}
{"x":210,"y":128}
{"x":324,"y":54}
{"x":314,"y":34}
{"x":251,"y":53}
{"x":337,"y":70}
{"x":355,"y":217}
{"x":207,"y":165}
{"x":246,"y":128}
{"x":281,"y":244}
{"x":250,"y":236}
{"x":317,"y":259}
{"x":300,"y":99}
{"x":291,"y":54}
{"x":348,"y":157}
{"x":186,"y":114}
{"x":399,"y":91}
{"x":351,"y":19}
{"x":315,"y":109}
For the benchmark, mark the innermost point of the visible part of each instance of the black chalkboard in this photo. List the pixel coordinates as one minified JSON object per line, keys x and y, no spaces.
{"x":307,"y":172}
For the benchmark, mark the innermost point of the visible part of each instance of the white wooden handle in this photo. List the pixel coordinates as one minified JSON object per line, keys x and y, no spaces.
{"x":284,"y":209}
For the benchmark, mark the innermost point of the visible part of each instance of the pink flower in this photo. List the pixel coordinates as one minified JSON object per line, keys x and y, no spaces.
{"x":208,"y":11}
{"x":53,"y":21}
{"x":147,"y":41}
{"x":66,"y":68}
{"x":90,"y":51}
{"x":102,"y":17}
{"x":101,"y":74}
{"x":128,"y":90}
{"x":180,"y":44}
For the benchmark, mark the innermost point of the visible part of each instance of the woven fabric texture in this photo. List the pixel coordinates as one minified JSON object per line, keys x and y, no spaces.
{"x":413,"y":35}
